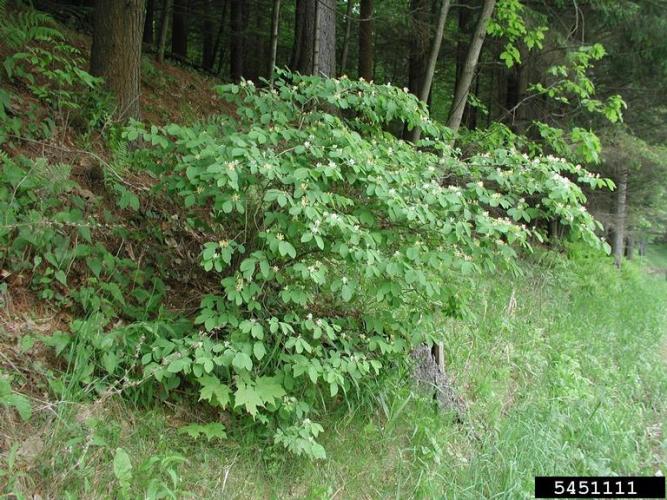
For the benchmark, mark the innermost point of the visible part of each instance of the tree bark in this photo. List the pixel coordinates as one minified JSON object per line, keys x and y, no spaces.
{"x":366,"y":40}
{"x":179,"y":30}
{"x":116,"y":51}
{"x":236,"y":41}
{"x":621,"y":207}
{"x":167,"y":6}
{"x":346,"y":38}
{"x":468,"y":71}
{"x":318,"y":50}
{"x":274,"y":37}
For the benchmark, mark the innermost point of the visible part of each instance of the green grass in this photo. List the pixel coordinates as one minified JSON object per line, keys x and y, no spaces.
{"x":564,"y":372}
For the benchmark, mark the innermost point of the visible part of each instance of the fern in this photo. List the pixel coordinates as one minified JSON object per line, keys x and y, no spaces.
{"x":22,"y":28}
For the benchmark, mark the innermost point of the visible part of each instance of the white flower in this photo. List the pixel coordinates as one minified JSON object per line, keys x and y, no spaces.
{"x":280,"y":236}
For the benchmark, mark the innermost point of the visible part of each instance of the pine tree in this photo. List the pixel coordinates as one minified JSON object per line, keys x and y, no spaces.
{"x":116,"y":51}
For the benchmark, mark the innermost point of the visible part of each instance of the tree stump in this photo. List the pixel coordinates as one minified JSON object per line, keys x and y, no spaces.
{"x":430,"y":378}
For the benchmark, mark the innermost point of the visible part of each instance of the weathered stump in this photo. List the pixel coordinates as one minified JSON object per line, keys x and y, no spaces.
{"x":431,"y":379}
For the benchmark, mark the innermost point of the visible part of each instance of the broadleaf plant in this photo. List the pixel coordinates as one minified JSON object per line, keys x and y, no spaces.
{"x":333,"y":246}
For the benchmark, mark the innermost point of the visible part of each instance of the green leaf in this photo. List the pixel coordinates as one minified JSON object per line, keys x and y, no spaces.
{"x":95,"y":265}
{"x":22,"y":405}
{"x":211,"y":431}
{"x":242,"y":361}
{"x":179,"y":365}
{"x":213,"y":391}
{"x":128,"y":199}
{"x":286,"y":248}
{"x":115,"y":291}
{"x":110,"y":361}
{"x":259,"y":350}
{"x":257,"y":331}
{"x":84,"y":231}
{"x":60,"y":276}
{"x":269,"y":389}
{"x":246,"y":395}
{"x":122,"y":466}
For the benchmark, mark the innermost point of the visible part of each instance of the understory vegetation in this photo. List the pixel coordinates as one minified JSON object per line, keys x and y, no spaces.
{"x":223,"y":299}
{"x":561,"y":374}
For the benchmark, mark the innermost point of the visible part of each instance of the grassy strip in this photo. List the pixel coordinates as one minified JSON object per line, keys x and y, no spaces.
{"x":564,"y":370}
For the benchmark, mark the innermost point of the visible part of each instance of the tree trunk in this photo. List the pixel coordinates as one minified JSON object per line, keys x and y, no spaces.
{"x":253,"y":42}
{"x":297,"y":48}
{"x":427,"y":81}
{"x":148,"y":23}
{"x":116,"y":51}
{"x":274,"y":37}
{"x":326,"y":38}
{"x":208,"y":37}
{"x":419,"y":25}
{"x":236,"y":41}
{"x":470,"y":112}
{"x":621,"y":203}
{"x":462,"y":40}
{"x":179,"y":30}
{"x":366,"y":40}
{"x":630,"y":248}
{"x":318,"y":50}
{"x":468,"y":71}
{"x":218,"y":38}
{"x":435,"y":50}
{"x":346,"y":38}
{"x":167,"y":6}
{"x":517,"y":86}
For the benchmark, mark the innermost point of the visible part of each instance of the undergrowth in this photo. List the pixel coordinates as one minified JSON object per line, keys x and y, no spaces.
{"x":563,"y":374}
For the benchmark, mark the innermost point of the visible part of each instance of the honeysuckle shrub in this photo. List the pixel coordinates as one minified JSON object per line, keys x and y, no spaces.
{"x":333,"y":246}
